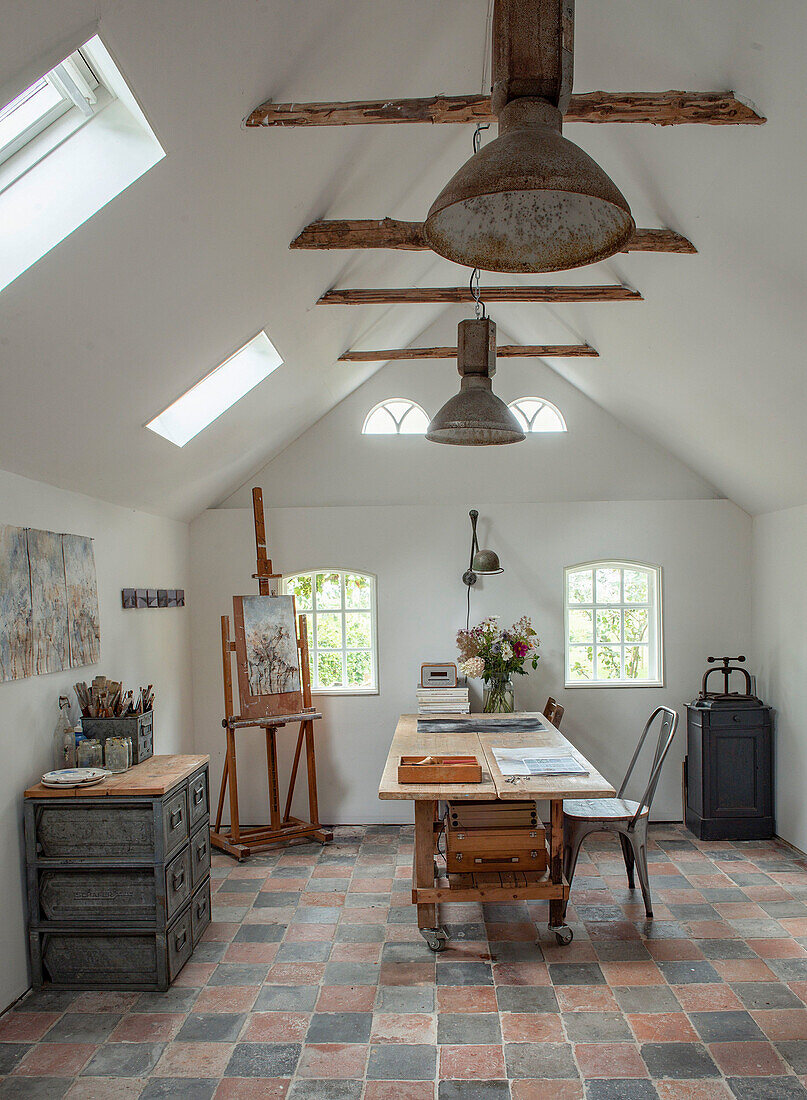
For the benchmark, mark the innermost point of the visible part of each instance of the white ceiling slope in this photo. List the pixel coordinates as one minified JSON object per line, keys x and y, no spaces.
{"x":193,"y":259}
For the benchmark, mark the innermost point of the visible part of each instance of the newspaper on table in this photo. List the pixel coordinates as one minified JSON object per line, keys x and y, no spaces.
{"x":527,"y":760}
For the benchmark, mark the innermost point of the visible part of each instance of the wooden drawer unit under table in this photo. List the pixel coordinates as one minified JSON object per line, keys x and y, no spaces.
{"x":119,"y":876}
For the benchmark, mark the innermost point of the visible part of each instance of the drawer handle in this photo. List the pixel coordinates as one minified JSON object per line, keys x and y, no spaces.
{"x":179,"y":941}
{"x":178,"y":878}
{"x":201,"y":908}
{"x":176,"y":817}
{"x":200,"y":851}
{"x":198,"y":795}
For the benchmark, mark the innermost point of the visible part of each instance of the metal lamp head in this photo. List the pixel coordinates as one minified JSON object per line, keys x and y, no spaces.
{"x":475,"y":417}
{"x":530,"y":200}
{"x":486,"y":563}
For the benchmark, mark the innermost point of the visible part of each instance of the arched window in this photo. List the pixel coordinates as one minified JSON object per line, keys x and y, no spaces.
{"x":536,"y":414}
{"x":613,"y":624}
{"x":340,"y":611}
{"x":396,"y":416}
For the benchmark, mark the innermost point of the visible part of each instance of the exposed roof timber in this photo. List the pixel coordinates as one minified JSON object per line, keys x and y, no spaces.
{"x":504,"y":351}
{"x":391,"y":233}
{"x":448,"y":295}
{"x":658,"y":108}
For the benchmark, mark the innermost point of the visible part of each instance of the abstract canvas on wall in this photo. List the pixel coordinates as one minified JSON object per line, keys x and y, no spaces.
{"x":266,"y":655}
{"x":48,"y":603}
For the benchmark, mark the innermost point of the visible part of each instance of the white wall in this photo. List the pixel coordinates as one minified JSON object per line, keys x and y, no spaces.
{"x":780,"y":645}
{"x":138,"y":647}
{"x":419,"y":554}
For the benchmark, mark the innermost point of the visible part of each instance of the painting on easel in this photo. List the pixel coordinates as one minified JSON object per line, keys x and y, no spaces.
{"x":266,"y":655}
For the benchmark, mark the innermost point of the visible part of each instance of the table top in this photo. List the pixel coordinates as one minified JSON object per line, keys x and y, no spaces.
{"x":407,"y":741}
{"x":153,"y":778}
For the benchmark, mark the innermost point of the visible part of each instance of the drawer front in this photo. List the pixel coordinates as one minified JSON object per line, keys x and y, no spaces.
{"x":200,"y":854}
{"x":175,"y":821}
{"x":459,"y":862}
{"x":97,"y":896}
{"x":94,"y":830}
{"x":177,"y":883}
{"x":513,"y":842}
{"x":92,"y":959}
{"x":180,"y":943}
{"x":734,"y":719}
{"x":200,"y":911}
{"x":197,"y":796}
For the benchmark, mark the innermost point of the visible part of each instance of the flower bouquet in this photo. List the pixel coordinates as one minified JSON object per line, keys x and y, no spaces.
{"x":497,"y":655}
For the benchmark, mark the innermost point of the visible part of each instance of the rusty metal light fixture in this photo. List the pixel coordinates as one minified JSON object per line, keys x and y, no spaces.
{"x":531,"y":200}
{"x":475,"y":417}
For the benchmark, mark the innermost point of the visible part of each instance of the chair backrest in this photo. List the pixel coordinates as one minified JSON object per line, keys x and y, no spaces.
{"x":666,"y":733}
{"x":553,"y":711}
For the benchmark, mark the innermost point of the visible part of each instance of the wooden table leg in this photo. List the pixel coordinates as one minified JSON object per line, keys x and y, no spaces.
{"x":556,"y":906}
{"x":423,"y":866}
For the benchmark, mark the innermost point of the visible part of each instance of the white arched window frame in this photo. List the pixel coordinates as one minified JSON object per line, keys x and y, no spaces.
{"x":536,"y":414}
{"x":340,"y":610}
{"x":396,"y":416}
{"x":613,"y":624}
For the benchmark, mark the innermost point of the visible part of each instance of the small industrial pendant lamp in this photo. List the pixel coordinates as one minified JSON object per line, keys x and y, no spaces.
{"x":475,"y":417}
{"x":483,"y":563}
{"x":531,"y":200}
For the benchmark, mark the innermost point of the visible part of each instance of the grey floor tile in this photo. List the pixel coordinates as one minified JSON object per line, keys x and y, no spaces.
{"x":689,"y":972}
{"x":124,"y":1060}
{"x":260,"y":933}
{"x":340,"y":1027}
{"x":526,"y":998}
{"x":325,"y":1090}
{"x":359,"y":933}
{"x":455,"y":1028}
{"x":596,"y":1027}
{"x":10,"y":1055}
{"x":767,"y":1088}
{"x":211,"y":1027}
{"x":628,"y":1089}
{"x":176,"y":999}
{"x":402,"y":1062}
{"x":47,"y":1000}
{"x":789,"y":970}
{"x":794,"y":1052}
{"x":726,"y":949}
{"x":304,"y":952}
{"x":681,"y":1061}
{"x":621,"y":951}
{"x":766,"y":995}
{"x":552,"y":1061}
{"x":351,"y":973}
{"x":83,"y":1027}
{"x":317,"y":914}
{"x":286,"y":998}
{"x":464,"y":973}
{"x":576,"y":974}
{"x":725,"y":1027}
{"x":178,"y":1088}
{"x":410,"y":951}
{"x":263,"y":1060}
{"x":238,"y":974}
{"x":404,"y":998}
{"x":474,"y":1090}
{"x":276,"y":899}
{"x":34,"y":1088}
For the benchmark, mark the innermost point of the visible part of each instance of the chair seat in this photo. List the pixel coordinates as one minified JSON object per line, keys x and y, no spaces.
{"x":602,"y":809}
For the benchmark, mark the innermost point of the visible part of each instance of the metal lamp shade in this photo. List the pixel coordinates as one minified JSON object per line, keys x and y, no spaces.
{"x":529,"y":201}
{"x":475,"y":417}
{"x":486,"y":563}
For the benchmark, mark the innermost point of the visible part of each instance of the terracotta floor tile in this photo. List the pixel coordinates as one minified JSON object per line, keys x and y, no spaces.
{"x":692,"y":1090}
{"x":403,"y":1027}
{"x":673,"y":950}
{"x":800,"y":989}
{"x":796,"y":926}
{"x":531,"y":1027}
{"x":147,"y":1027}
{"x":710,"y":930}
{"x":346,"y":998}
{"x":521,"y":973}
{"x":276,"y":1027}
{"x":105,"y":1088}
{"x":526,"y":1089}
{"x":620,"y":1060}
{"x":749,"y":1059}
{"x":226,"y":998}
{"x":586,"y":998}
{"x":251,"y":1088}
{"x":743,"y":970}
{"x":783,"y":1023}
{"x":399,"y":1090}
{"x":295,"y":973}
{"x":406,"y":974}
{"x":103,"y":1000}
{"x":356,"y":952}
{"x":466,"y":998}
{"x":25,"y":1027}
{"x":517,"y":931}
{"x":251,"y":952}
{"x":662,"y":1027}
{"x":632,"y":973}
{"x":193,"y":975}
{"x":477,"y":1063}
{"x":55,"y":1060}
{"x":309,"y":933}
{"x":370,"y":885}
{"x":707,"y":998}
{"x":201,"y":1060}
{"x":778,"y":949}
{"x":341,"y":1060}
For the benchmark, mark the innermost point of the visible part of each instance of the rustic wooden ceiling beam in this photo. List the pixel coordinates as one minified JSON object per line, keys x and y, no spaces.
{"x":504,"y":351}
{"x":450,"y":294}
{"x":671,"y":108}
{"x":391,"y":233}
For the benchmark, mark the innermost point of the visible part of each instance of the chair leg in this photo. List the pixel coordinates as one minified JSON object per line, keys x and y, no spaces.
{"x":627,"y":853}
{"x":573,"y":836}
{"x":638,"y":841}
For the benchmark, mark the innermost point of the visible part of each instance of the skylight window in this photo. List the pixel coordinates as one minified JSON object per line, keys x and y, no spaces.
{"x":217,"y":391}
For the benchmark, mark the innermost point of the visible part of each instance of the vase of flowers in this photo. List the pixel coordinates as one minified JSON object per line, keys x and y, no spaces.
{"x":496,"y":656}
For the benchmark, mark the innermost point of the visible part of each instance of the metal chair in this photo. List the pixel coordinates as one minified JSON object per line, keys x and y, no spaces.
{"x":626,"y":818}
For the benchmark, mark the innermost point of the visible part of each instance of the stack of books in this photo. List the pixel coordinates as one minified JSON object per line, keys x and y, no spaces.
{"x":443,"y":700}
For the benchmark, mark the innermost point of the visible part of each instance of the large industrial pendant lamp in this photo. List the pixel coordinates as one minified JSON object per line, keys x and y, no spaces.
{"x":531,"y":200}
{"x":475,"y":417}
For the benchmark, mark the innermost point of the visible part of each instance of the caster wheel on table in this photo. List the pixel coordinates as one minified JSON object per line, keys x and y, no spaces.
{"x":564,"y":935}
{"x":436,"y":938}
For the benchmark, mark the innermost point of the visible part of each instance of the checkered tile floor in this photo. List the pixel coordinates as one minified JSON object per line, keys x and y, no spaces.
{"x":314,"y":983}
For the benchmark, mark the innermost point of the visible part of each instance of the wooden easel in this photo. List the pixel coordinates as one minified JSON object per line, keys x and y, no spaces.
{"x":237,"y":840}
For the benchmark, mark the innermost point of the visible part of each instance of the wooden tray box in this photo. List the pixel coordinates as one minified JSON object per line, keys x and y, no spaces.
{"x":441,"y":769}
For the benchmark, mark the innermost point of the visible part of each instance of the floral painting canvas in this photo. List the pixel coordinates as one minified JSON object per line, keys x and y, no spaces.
{"x":271,"y":645}
{"x":83,"y":626}
{"x":16,"y":638}
{"x":49,"y":600}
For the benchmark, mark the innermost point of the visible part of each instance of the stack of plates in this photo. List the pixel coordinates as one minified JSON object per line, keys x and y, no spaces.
{"x":74,"y":777}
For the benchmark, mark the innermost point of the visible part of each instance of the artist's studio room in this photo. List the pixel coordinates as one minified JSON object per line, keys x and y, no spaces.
{"x":403,"y":518}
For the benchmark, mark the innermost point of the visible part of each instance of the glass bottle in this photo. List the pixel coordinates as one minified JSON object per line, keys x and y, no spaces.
{"x":64,"y":740}
{"x":90,"y":753}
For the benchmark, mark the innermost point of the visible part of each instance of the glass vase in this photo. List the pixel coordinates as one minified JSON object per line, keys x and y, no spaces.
{"x":498,"y":697}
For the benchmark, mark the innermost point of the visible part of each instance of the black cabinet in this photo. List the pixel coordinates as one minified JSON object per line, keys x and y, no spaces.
{"x":729,"y":769}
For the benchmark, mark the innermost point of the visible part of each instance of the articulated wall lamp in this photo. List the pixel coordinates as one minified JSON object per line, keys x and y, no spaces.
{"x":483,"y":563}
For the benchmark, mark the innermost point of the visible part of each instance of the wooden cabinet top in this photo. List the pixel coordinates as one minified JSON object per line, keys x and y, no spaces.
{"x":153,"y":778}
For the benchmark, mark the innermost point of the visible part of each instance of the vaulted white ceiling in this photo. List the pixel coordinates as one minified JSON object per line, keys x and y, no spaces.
{"x":192,"y":260}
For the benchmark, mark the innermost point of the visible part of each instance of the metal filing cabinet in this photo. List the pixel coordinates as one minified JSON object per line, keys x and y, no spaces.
{"x":119,"y":876}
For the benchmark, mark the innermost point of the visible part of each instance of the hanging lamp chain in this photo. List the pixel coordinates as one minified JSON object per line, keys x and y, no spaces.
{"x":479,"y":306}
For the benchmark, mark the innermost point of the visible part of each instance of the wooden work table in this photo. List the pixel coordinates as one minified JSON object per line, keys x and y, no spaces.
{"x":429,"y":888}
